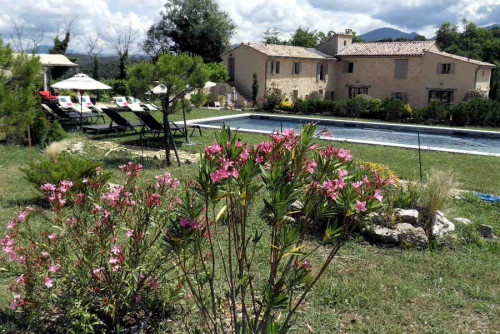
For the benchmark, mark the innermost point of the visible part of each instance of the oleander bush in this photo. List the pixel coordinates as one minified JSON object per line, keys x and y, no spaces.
{"x":96,"y":265}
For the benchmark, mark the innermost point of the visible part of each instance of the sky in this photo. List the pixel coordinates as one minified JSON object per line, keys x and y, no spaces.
{"x":252,"y":17}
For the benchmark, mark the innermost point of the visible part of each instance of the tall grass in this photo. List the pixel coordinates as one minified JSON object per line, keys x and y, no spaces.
{"x":438,"y":191}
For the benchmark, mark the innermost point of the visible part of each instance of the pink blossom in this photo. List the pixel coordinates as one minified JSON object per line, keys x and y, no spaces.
{"x":131,"y":169}
{"x":152,"y":283}
{"x":10,"y":224}
{"x":49,"y":187}
{"x":22,"y":215}
{"x":49,"y":282}
{"x":114,"y":260}
{"x":44,"y":254}
{"x":360,"y":206}
{"x":391,"y":180}
{"x":16,"y":302}
{"x":117,"y":249}
{"x":306,"y":264}
{"x":259,"y":159}
{"x":378,"y":195}
{"x":85,"y":180}
{"x":166,"y":180}
{"x":357,"y":184}
{"x":129,"y":233}
{"x":266,"y":146}
{"x":309,"y":166}
{"x":213,"y":149}
{"x":342,"y":173}
{"x":184,"y":222}
{"x":313,"y":147}
{"x":195,"y":225}
{"x":340,"y":183}
{"x":98,"y":170}
{"x":153,"y":200}
{"x":52,"y":236}
{"x":65,"y":185}
{"x":21,"y":279}
{"x":54,"y":268}
{"x":115,"y":268}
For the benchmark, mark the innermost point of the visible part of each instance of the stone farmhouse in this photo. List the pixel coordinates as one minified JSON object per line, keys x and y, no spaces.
{"x":416,"y":72}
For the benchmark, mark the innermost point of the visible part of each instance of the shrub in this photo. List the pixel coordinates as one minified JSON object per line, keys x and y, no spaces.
{"x":273,"y":98}
{"x":392,"y":109}
{"x":477,"y":111}
{"x":97,"y":266}
{"x":437,"y":191}
{"x":381,"y":169}
{"x":435,"y":111}
{"x":315,"y":95}
{"x":372,"y":109}
{"x":355,"y":107}
{"x":474,"y":93}
{"x":43,"y":133}
{"x":59,"y":167}
{"x":199,"y":98}
{"x":286,"y":106}
{"x":288,"y":168}
{"x":118,"y":87}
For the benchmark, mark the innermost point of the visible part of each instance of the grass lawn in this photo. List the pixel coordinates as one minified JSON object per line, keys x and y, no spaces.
{"x":367,"y":289}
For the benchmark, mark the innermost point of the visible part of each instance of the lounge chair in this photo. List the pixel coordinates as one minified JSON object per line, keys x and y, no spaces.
{"x":63,"y":114}
{"x":145,"y":106}
{"x":122,"y":103}
{"x":157,"y":128}
{"x":118,"y":119}
{"x":66,"y":103}
{"x":87,"y":102}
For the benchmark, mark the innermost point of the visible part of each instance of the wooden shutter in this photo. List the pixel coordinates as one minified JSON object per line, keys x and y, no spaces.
{"x":405,"y":98}
{"x":300,"y":68}
{"x":401,"y":69}
{"x":439,"y":69}
{"x":318,"y":69}
{"x":452,"y":68}
{"x":293,"y":68}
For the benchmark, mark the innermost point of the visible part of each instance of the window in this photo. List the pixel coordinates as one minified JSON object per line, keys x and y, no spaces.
{"x":345,"y":43}
{"x":295,"y":96}
{"x":297,"y":67}
{"x":275,"y":67}
{"x":350,"y":68}
{"x":445,"y":68}
{"x":401,"y":96}
{"x":322,"y":72}
{"x":330,"y":95}
{"x":443,"y":96}
{"x":321,"y":93}
{"x":354,"y":91}
{"x":401,"y":69}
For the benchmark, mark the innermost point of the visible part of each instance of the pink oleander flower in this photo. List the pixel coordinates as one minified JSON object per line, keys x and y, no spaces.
{"x":342,"y":173}
{"x":378,"y":195}
{"x":117,"y":249}
{"x":115,"y":268}
{"x":237,"y":143}
{"x":313,"y":147}
{"x":16,"y":302}
{"x":22,"y":215}
{"x":11,"y":224}
{"x":49,"y":187}
{"x":130,"y":233}
{"x":49,"y":282}
{"x":114,"y":260}
{"x":54,"y":268}
{"x":184,"y":222}
{"x":85,"y":180}
{"x":98,"y":170}
{"x":153,"y":200}
{"x":266,"y":147}
{"x":131,"y":169}
{"x":21,"y":279}
{"x":357,"y":184}
{"x":306,"y":264}
{"x":360,"y":206}
{"x":391,"y":180}
{"x":65,"y":185}
{"x":52,"y":236}
{"x":340,"y":183}
{"x":213,"y":149}
{"x":44,"y":254}
{"x":166,"y":180}
{"x":152,"y":283}
{"x":259,"y":159}
{"x":309,"y":166}
{"x":195,"y":225}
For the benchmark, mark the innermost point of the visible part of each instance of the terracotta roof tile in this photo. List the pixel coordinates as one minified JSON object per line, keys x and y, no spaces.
{"x":465,"y":59}
{"x":288,"y":51}
{"x":387,"y":49}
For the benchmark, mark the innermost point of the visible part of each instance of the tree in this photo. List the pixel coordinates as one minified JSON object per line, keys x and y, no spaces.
{"x":322,"y":37}
{"x":21,"y":42}
{"x":92,"y":43}
{"x":19,"y":80}
{"x":120,"y":39}
{"x":447,"y":35}
{"x":179,"y":74}
{"x":273,"y":37}
{"x":304,"y":38}
{"x":95,"y":70}
{"x":255,"y":89}
{"x":218,"y":72}
{"x":194,"y":26}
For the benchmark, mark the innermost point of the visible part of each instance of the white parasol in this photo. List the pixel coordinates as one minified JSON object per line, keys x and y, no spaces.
{"x":80,"y":82}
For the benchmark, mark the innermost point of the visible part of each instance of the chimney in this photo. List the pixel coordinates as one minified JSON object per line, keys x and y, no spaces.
{"x":348,"y":31}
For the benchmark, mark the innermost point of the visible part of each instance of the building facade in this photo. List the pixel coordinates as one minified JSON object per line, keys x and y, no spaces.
{"x":415,"y":72}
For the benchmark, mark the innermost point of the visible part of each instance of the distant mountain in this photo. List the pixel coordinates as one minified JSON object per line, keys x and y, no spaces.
{"x":379,"y":34}
{"x":493,"y":26}
{"x":41,"y":49}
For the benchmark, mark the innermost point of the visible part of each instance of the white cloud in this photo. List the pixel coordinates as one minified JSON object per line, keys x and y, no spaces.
{"x":252,"y":17}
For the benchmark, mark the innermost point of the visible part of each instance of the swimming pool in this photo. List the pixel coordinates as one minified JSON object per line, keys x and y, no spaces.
{"x":431,"y":138}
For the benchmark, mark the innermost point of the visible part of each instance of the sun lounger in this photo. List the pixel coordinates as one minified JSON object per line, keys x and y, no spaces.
{"x":122,"y":103}
{"x":87,"y":102}
{"x":63,"y":114}
{"x":118,"y":119}
{"x":66,"y":103}
{"x":157,"y":128}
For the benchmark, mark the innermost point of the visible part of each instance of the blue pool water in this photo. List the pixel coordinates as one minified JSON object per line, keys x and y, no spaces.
{"x":447,"y":140}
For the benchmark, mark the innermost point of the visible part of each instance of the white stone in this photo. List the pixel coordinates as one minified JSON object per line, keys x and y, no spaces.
{"x":408,"y":216}
{"x":462,"y":220}
{"x":413,"y":235}
{"x":440,"y":225}
{"x":383,"y":234}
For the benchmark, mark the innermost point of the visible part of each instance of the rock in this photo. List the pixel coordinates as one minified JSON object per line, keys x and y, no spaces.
{"x":383,"y":234}
{"x":412,"y":235}
{"x":462,"y":220}
{"x":440,"y":225}
{"x":408,"y":216}
{"x":375,"y":218}
{"x":486,"y":231}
